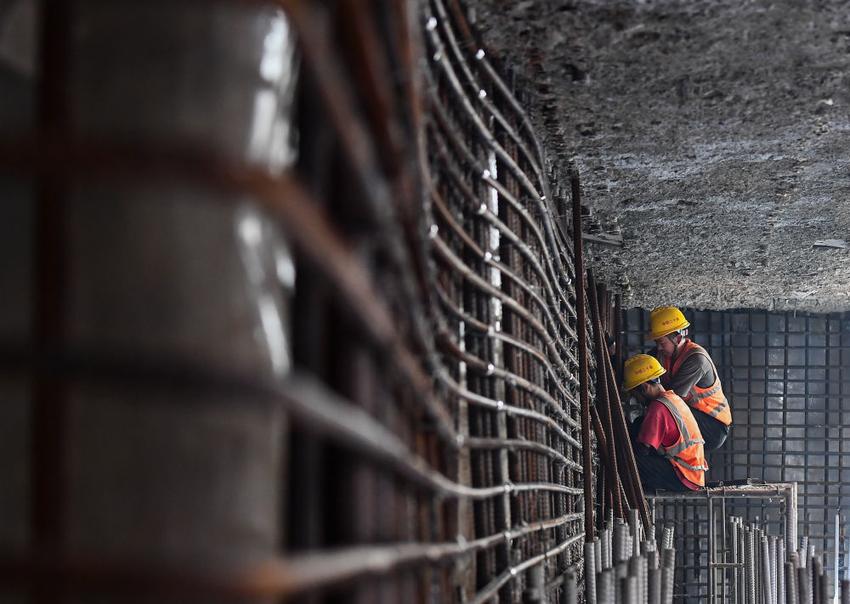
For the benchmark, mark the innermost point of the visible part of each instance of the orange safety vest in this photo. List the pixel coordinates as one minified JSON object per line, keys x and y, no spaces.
{"x":687,"y":453}
{"x":711,"y":400}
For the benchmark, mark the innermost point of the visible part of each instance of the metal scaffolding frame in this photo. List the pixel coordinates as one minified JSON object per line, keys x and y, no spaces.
{"x":714,"y":573}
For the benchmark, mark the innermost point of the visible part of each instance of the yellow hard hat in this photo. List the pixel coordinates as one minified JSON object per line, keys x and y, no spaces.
{"x":639,"y":369}
{"x":664,"y":320}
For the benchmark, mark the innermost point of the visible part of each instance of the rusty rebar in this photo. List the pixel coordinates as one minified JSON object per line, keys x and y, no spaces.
{"x":622,"y":433}
{"x":628,"y":471}
{"x":602,"y":397}
{"x":605,"y":458}
{"x":476,"y":88}
{"x":50,"y":293}
{"x":396,"y":325}
{"x":591,"y":569}
{"x":584,"y":376}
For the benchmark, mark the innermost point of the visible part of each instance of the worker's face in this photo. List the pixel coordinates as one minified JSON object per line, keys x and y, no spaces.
{"x":665,"y":346}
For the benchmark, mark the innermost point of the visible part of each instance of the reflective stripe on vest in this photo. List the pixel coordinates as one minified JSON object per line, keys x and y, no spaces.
{"x":687,"y":452}
{"x":676,"y":449}
{"x":706,"y":393}
{"x":720,"y":405}
{"x":687,"y":440}
{"x":689,"y":466}
{"x":711,"y":401}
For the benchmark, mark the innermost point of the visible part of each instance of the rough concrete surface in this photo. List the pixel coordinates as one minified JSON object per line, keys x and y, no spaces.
{"x":715,"y":134}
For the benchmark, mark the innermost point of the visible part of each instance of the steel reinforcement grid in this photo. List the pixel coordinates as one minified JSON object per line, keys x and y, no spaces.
{"x":787,"y":376}
{"x":387,"y":413}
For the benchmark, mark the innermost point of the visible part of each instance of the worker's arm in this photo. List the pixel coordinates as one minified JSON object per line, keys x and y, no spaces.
{"x":696,"y":370}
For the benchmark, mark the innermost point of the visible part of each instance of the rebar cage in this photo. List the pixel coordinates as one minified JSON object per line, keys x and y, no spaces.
{"x":388,"y":412}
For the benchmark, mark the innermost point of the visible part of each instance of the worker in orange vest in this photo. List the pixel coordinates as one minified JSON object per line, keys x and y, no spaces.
{"x":667,"y":441}
{"x":690,"y":373}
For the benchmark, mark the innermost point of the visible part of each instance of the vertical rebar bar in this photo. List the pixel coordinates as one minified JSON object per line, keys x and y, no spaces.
{"x":836,"y":589}
{"x":757,"y":563}
{"x":605,"y":546}
{"x":733,"y":533}
{"x":620,"y":531}
{"x":749,"y":564}
{"x":804,"y":589}
{"x":634,"y":528}
{"x":791,"y":516}
{"x":584,"y":376}
{"x":630,"y":472}
{"x":622,"y":570}
{"x":535,"y":590}
{"x":653,"y":560}
{"x":774,"y":574}
{"x":791,"y":587}
{"x":711,"y":546}
{"x":590,"y":572}
{"x":605,"y":587}
{"x":619,"y":344}
{"x":847,"y":558}
{"x":667,"y":539}
{"x":629,"y":590}
{"x":766,"y":573}
{"x":815,"y":572}
{"x":620,"y":573}
{"x":780,"y":571}
{"x":602,"y":395}
{"x":597,"y":554}
{"x":818,"y":580}
{"x":773,"y":569}
{"x":668,"y":563}
{"x":654,"y":591}
{"x":569,"y":589}
{"x":724,"y":548}
{"x":634,"y":572}
{"x":743,"y":589}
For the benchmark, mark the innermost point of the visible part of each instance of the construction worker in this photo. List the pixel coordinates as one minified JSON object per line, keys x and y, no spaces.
{"x":666,"y":439}
{"x":691,"y":374}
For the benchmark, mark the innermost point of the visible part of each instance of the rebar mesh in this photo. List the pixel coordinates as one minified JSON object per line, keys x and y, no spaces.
{"x":786,"y":376}
{"x":424,"y":433}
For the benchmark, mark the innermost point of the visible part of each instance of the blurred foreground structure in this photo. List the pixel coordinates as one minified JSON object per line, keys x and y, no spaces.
{"x":288,"y":309}
{"x":293,"y":308}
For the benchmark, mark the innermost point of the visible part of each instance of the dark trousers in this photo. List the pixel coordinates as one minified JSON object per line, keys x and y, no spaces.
{"x":714,"y":433}
{"x":656,"y":472}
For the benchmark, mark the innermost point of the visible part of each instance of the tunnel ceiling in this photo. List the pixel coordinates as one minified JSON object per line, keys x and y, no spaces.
{"x":713,"y":135}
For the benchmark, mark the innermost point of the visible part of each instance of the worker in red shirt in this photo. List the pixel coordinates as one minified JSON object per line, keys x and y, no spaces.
{"x":667,"y":440}
{"x":691,"y":374}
